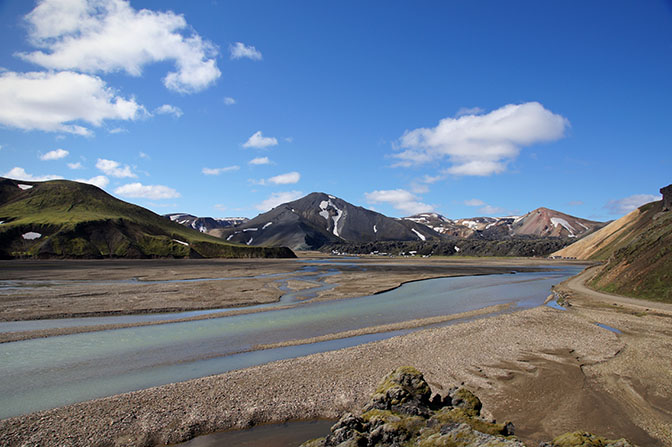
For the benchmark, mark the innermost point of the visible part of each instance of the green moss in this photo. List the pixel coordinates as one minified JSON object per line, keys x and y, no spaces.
{"x":460,"y":415}
{"x":85,"y":221}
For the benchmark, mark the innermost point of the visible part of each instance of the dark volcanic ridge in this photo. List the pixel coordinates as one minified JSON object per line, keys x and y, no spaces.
{"x":320,"y":220}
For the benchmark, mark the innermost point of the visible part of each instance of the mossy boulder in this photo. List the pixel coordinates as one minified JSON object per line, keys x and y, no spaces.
{"x":402,"y":412}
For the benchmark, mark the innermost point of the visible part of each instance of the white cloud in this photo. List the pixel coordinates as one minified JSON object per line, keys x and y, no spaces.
{"x":100,"y":181}
{"x":260,"y":161}
{"x":285,"y":179}
{"x":469,"y":111}
{"x":481,"y":144}
{"x":239,"y":51}
{"x":257,"y":140}
{"x":278,"y":198}
{"x":167,"y":109}
{"x":77,"y":165}
{"x":117,"y":130}
{"x":107,"y":36}
{"x":488,"y":210}
{"x":474,"y":202}
{"x":52,"y":102}
{"x":114,"y":168}
{"x":627,"y":204}
{"x":217,"y":171}
{"x":18,"y":173}
{"x":419,"y":188}
{"x":400,"y":199}
{"x":56,"y":154}
{"x":154,"y":192}
{"x":143,"y":155}
{"x":229,"y":101}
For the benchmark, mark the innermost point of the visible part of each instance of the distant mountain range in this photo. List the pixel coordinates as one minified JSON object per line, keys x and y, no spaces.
{"x":541,"y":222}
{"x":208,"y":225}
{"x":636,"y":249}
{"x":68,"y":219}
{"x":318,"y":220}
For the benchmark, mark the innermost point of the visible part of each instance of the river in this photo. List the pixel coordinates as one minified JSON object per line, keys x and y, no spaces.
{"x":49,"y":372}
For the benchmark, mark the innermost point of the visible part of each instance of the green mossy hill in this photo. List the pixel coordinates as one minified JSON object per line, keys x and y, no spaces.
{"x":404,"y":412}
{"x":66,"y":219}
{"x":639,"y":263}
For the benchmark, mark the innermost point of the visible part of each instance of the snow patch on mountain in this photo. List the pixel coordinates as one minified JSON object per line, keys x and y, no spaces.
{"x":180,"y":242}
{"x":559,"y":221}
{"x":324,"y":206}
{"x":24,"y":187}
{"x":267,"y":225}
{"x":31,"y":235}
{"x":420,"y":235}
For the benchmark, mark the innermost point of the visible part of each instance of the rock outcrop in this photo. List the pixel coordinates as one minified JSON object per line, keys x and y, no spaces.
{"x":403,"y":411}
{"x":667,"y":197}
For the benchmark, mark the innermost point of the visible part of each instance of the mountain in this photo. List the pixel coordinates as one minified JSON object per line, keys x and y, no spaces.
{"x":318,"y":219}
{"x":542,"y":222}
{"x":637,"y":249}
{"x":207,"y":225}
{"x":62,"y":218}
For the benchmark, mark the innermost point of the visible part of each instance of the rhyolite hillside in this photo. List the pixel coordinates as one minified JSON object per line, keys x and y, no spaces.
{"x":541,"y":222}
{"x":68,"y":219}
{"x":636,"y":249}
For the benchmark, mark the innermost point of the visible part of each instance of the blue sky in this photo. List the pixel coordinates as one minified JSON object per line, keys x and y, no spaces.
{"x":224,"y":108}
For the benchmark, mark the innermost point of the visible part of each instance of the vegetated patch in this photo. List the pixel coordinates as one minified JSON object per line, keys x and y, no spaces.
{"x":77,"y":220}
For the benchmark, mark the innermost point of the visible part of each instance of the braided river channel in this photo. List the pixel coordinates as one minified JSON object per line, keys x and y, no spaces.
{"x":44,"y":373}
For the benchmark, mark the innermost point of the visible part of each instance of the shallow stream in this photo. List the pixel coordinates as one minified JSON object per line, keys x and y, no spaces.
{"x":49,"y":372}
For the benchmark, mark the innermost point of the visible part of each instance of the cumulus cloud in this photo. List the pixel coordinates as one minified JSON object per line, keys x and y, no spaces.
{"x":167,"y":109}
{"x":469,"y":111}
{"x":257,"y":140}
{"x":400,"y":199}
{"x":114,"y":168}
{"x":217,"y":171}
{"x":285,"y":179}
{"x":229,"y":101}
{"x":106,"y":36}
{"x":278,"y":198}
{"x":260,"y":161}
{"x":18,"y":173}
{"x":474,"y":202}
{"x":481,"y":145}
{"x":239,"y":51}
{"x":56,"y":154}
{"x":52,"y":102}
{"x":154,"y":192}
{"x":628,"y":204}
{"x":76,"y":165}
{"x":100,"y":181}
{"x":486,"y":209}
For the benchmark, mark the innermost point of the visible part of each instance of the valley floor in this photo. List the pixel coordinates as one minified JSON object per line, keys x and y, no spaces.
{"x":549,"y":371}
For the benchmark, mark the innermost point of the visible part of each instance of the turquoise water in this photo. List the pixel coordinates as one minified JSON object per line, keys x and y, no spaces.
{"x":50,"y":372}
